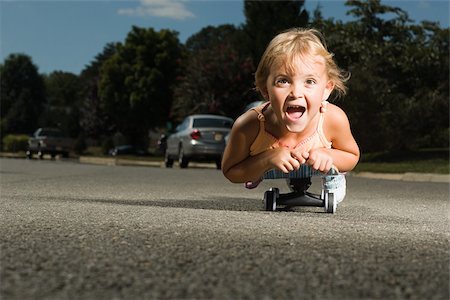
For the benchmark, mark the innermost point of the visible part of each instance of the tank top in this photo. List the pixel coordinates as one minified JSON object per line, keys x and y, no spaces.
{"x":265,"y":141}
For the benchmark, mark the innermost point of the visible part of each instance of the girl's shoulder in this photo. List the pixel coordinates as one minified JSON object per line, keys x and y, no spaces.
{"x":335,"y":119}
{"x":334,"y":113}
{"x":248,"y":122}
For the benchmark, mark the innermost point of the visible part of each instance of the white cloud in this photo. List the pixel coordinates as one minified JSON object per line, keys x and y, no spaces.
{"x":423,"y":4}
{"x":172,"y":9}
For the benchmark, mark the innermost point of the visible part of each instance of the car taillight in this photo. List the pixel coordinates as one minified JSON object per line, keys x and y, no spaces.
{"x":195,"y":135}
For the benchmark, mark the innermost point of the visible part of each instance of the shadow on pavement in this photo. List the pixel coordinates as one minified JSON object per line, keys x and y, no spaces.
{"x":218,"y":203}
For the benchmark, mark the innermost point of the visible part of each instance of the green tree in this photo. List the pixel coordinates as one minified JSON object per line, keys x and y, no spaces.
{"x":409,"y":64}
{"x":136,"y":82}
{"x":398,"y":92}
{"x":22,"y":95}
{"x":217,"y":75}
{"x":63,"y":102}
{"x":425,"y":64}
{"x":93,"y":119}
{"x":265,"y":19}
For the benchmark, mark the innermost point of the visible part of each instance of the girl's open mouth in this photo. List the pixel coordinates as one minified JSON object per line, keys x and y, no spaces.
{"x":295,"y":112}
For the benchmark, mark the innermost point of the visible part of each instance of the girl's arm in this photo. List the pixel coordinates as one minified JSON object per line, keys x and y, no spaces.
{"x":345,"y":151}
{"x":237,"y":164}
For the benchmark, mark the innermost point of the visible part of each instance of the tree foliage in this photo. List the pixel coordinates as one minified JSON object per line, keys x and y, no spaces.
{"x":93,"y":120}
{"x":136,"y":82}
{"x":217,"y":74}
{"x":265,"y":19}
{"x":398,"y":93}
{"x":63,"y":102}
{"x":22,"y":95}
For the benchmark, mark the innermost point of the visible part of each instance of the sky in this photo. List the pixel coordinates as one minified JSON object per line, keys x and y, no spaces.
{"x":66,"y":35}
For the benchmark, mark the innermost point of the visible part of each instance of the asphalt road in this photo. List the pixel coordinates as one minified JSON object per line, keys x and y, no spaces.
{"x":74,"y":231}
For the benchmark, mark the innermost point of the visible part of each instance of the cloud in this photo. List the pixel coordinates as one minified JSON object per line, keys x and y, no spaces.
{"x":172,"y":9}
{"x":423,"y":4}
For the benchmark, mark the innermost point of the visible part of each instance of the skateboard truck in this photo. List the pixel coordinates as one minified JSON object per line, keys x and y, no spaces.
{"x":299,"y":181}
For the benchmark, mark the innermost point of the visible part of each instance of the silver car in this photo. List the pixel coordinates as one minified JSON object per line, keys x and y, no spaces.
{"x":198,"y":138}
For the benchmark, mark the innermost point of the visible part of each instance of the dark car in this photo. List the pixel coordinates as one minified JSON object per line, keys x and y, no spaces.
{"x":126,"y":150}
{"x":252,"y":104}
{"x":198,"y":138}
{"x":49,"y":141}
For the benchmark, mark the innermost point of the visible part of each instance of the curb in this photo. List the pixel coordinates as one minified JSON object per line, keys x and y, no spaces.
{"x":128,"y":162}
{"x":409,"y":176}
{"x":118,"y":162}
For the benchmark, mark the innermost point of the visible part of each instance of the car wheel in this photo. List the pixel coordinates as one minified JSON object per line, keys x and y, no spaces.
{"x":182,"y":160}
{"x":218,"y":164}
{"x":168,"y":161}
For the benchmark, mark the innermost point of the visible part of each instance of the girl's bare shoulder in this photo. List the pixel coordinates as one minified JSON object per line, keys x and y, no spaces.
{"x":336,"y":121}
{"x":335,"y":115}
{"x":247,"y":124}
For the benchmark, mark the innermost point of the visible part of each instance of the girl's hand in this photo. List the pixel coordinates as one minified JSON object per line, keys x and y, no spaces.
{"x":320,"y":159}
{"x":283,"y":159}
{"x":300,"y":156}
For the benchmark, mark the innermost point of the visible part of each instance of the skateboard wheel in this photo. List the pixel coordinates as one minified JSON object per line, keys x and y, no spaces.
{"x":270,"y":199}
{"x":330,"y":202}
{"x":277,"y":192}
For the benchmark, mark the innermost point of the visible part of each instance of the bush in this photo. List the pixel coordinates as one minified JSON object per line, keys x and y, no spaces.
{"x":15,"y":142}
{"x":80,"y":145}
{"x":107,"y":144}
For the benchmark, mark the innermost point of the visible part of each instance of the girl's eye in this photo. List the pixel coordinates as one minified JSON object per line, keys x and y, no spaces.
{"x":310,"y":81}
{"x":281,"y":82}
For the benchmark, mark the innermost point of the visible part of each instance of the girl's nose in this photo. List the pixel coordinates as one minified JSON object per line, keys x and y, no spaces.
{"x":296,"y":91}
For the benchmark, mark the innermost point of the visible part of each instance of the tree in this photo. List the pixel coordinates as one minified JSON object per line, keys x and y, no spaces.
{"x":398,"y":92}
{"x":63,"y":102}
{"x":93,"y":119}
{"x":265,"y":19}
{"x":22,"y":95}
{"x":136,"y":82}
{"x":218,"y":73}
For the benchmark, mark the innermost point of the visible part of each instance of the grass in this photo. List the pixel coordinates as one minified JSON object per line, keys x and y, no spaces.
{"x":418,"y":161}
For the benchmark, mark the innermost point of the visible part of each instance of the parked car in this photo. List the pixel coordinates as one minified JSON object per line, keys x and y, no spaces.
{"x":162,"y":143}
{"x":49,"y":141}
{"x":252,"y":104}
{"x":126,"y":150}
{"x":198,"y":138}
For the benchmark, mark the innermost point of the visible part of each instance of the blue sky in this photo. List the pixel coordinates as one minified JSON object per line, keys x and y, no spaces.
{"x":66,"y":35}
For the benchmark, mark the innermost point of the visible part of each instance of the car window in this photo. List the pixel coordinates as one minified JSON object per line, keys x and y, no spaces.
{"x":51,"y":132}
{"x":182,"y":126}
{"x":210,"y":122}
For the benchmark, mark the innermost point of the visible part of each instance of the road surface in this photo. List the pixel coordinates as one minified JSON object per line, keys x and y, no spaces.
{"x":76,"y":231}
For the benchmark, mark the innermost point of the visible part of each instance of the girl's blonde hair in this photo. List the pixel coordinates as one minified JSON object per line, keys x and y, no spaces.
{"x":294,"y":43}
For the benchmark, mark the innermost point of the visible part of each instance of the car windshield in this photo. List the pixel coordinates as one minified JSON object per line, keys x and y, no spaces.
{"x":210,"y":122}
{"x":51,"y":132}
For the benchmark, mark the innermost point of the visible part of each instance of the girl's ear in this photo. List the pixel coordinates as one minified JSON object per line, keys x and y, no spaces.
{"x":265,"y":94}
{"x":328,"y":89}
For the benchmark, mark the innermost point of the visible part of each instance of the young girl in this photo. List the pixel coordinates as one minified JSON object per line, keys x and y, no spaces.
{"x":297,"y":125}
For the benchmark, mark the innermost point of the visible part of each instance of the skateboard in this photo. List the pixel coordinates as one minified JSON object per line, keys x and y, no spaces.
{"x":299,"y":181}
